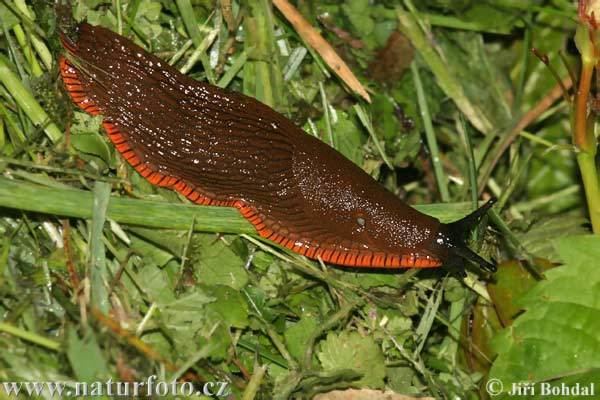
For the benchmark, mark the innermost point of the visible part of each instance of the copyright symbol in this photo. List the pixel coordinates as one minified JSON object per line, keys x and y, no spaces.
{"x":494,"y":387}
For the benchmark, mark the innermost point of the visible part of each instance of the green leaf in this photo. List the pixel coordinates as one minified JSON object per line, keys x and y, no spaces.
{"x":579,"y":250}
{"x":85,"y":123}
{"x":491,"y":18}
{"x":309,"y":302}
{"x":189,"y":303}
{"x":85,"y":356}
{"x":7,"y":17}
{"x":85,"y":137}
{"x":199,"y":317}
{"x":554,"y":336}
{"x":156,"y":283}
{"x":372,"y":280}
{"x":149,"y":250}
{"x":358,"y":12}
{"x":218,"y":264}
{"x":404,"y":144}
{"x":384,"y":118}
{"x":348,"y":138}
{"x":186,"y":309}
{"x":538,"y":239}
{"x":401,"y":380}
{"x":149,"y":9}
{"x":229,"y":305}
{"x":351,"y":350}
{"x":297,"y":335}
{"x":511,"y":282}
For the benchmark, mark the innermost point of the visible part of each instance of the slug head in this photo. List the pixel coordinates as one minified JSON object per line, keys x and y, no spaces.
{"x":452,"y":239}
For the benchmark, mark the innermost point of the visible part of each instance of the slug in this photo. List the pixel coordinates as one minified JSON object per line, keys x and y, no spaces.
{"x":222,"y":148}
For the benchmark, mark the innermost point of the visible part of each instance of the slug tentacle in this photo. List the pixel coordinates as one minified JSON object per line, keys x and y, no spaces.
{"x":464,"y":225}
{"x":454,"y":236}
{"x":223,"y":148}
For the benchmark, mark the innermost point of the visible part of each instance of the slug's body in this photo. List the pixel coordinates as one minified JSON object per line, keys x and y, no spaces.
{"x":223,"y":148}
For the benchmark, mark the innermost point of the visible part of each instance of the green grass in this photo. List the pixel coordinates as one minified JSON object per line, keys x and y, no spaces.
{"x":104,"y":276}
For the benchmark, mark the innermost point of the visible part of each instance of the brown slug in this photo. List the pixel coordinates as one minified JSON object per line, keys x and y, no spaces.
{"x":223,"y":148}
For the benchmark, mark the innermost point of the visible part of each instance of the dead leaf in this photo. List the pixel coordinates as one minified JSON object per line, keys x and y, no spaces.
{"x":393,"y":60}
{"x":321,"y":46}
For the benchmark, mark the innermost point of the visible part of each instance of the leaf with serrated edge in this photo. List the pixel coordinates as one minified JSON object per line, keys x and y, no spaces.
{"x":556,"y":336}
{"x":350,"y":350}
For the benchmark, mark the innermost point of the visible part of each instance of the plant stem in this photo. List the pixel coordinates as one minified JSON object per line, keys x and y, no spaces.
{"x":589,"y":175}
{"x":79,"y":204}
{"x":581,"y":102}
{"x":27,"y":102}
{"x":75,"y":203}
{"x":582,"y":123}
{"x":29,"y":336}
{"x":255,"y":382}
